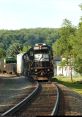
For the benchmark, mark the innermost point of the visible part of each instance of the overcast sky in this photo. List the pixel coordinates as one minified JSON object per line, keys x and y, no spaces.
{"x":18,"y":14}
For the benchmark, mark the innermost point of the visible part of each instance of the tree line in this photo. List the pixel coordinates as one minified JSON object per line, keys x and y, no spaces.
{"x":13,"y":42}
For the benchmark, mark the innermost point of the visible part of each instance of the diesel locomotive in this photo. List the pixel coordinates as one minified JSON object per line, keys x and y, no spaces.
{"x":38,"y":62}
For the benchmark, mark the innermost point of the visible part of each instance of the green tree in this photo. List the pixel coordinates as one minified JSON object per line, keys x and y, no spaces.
{"x":14,"y":49}
{"x":26,"y":48}
{"x":64,"y":45}
{"x":77,"y":49}
{"x":2,"y":53}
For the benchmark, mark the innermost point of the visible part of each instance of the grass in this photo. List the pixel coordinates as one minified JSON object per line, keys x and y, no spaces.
{"x":76,"y":85}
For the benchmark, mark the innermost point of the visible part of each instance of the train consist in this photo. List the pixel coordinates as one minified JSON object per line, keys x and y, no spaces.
{"x":38,"y":62}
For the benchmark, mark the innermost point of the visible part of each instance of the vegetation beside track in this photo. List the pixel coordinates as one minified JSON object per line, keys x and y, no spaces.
{"x":75,"y":85}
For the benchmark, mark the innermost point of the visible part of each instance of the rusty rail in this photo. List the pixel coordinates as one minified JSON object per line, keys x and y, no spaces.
{"x":56,"y":106}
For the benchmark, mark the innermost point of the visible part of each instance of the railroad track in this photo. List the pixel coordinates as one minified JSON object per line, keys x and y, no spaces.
{"x":14,"y":99}
{"x":12,"y":91}
{"x":42,"y":101}
{"x":70,"y":102}
{"x":47,"y":99}
{"x":21,"y":103}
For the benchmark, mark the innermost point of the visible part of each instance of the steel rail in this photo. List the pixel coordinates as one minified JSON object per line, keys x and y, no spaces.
{"x":55,"y":109}
{"x":20,"y":104}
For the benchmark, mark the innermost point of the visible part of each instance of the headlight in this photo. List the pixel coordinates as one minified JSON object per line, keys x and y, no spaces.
{"x":48,"y":69}
{"x":35,"y":70}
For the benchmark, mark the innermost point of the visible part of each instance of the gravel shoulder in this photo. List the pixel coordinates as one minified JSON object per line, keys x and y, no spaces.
{"x":11,"y":88}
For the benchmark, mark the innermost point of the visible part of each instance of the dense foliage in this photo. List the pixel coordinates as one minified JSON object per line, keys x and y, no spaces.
{"x":13,"y":42}
{"x":69,"y":45}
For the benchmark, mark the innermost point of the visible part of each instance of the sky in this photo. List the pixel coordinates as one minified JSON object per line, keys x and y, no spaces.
{"x":19,"y":14}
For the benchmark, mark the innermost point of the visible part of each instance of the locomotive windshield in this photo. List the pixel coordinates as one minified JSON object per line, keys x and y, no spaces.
{"x":41,"y":55}
{"x":41,"y":51}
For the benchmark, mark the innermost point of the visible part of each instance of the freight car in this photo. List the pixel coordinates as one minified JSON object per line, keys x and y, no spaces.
{"x":20,"y":65}
{"x":38,"y":62}
{"x":8,"y":65}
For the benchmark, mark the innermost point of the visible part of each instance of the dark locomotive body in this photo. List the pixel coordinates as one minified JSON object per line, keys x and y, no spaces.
{"x":38,"y":62}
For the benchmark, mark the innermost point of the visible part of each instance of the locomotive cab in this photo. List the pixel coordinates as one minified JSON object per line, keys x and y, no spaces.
{"x":42,"y":66}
